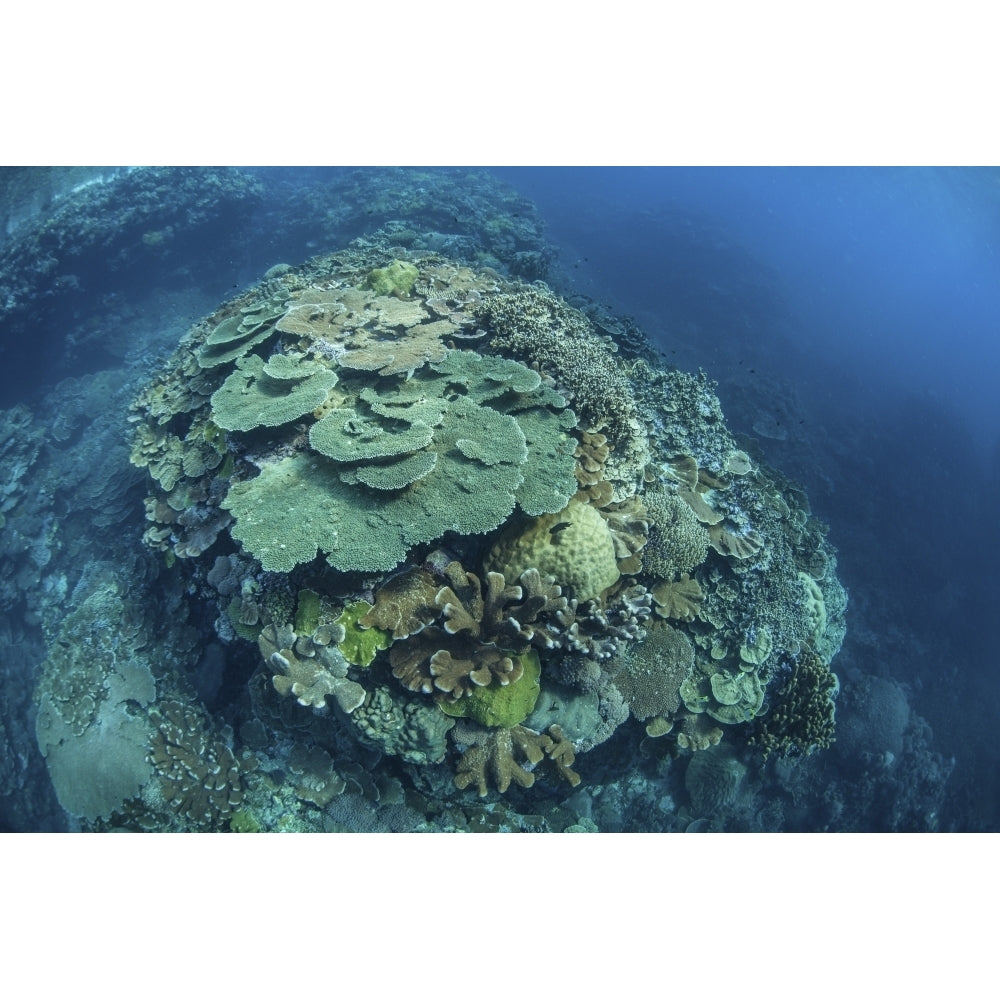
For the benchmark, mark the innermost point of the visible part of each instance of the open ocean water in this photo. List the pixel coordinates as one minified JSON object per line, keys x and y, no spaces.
{"x":844,"y":319}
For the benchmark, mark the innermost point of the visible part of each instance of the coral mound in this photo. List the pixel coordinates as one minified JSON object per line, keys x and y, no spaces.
{"x":449,"y":521}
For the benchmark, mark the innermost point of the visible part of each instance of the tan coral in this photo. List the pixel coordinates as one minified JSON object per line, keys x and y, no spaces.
{"x":309,"y":670}
{"x":591,"y":457}
{"x":562,"y":755}
{"x":483,"y":634}
{"x":702,"y":509}
{"x":683,"y":470}
{"x":697,"y":732}
{"x":198,"y":774}
{"x":678,"y":599}
{"x":738,"y":463}
{"x":728,"y":543}
{"x":404,"y":604}
{"x":315,"y":779}
{"x":491,"y":756}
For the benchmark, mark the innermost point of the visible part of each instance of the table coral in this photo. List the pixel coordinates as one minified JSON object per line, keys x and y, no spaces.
{"x":251,"y":397}
{"x":478,"y":466}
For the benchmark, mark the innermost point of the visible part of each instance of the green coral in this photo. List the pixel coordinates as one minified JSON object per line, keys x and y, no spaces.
{"x":397,"y":278}
{"x":244,"y":821}
{"x":307,"y":612}
{"x":477,"y":467}
{"x":499,"y":704}
{"x":360,"y":645}
{"x":251,"y":397}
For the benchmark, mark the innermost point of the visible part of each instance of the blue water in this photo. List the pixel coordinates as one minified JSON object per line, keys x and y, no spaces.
{"x":850,"y":319}
{"x":890,"y":276}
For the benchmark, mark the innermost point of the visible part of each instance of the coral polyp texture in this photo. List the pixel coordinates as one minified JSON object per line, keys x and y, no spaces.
{"x":457,"y":539}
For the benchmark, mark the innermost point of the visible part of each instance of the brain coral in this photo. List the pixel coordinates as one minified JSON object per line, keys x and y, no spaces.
{"x":574,"y":546}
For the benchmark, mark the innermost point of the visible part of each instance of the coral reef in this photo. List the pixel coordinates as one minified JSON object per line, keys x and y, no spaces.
{"x":466,"y":532}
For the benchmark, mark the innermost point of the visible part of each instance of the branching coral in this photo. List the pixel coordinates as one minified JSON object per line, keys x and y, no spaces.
{"x":491,"y":756}
{"x":533,"y":324}
{"x":483,"y":636}
{"x":309,"y":668}
{"x":801,"y":721}
{"x":677,"y":541}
